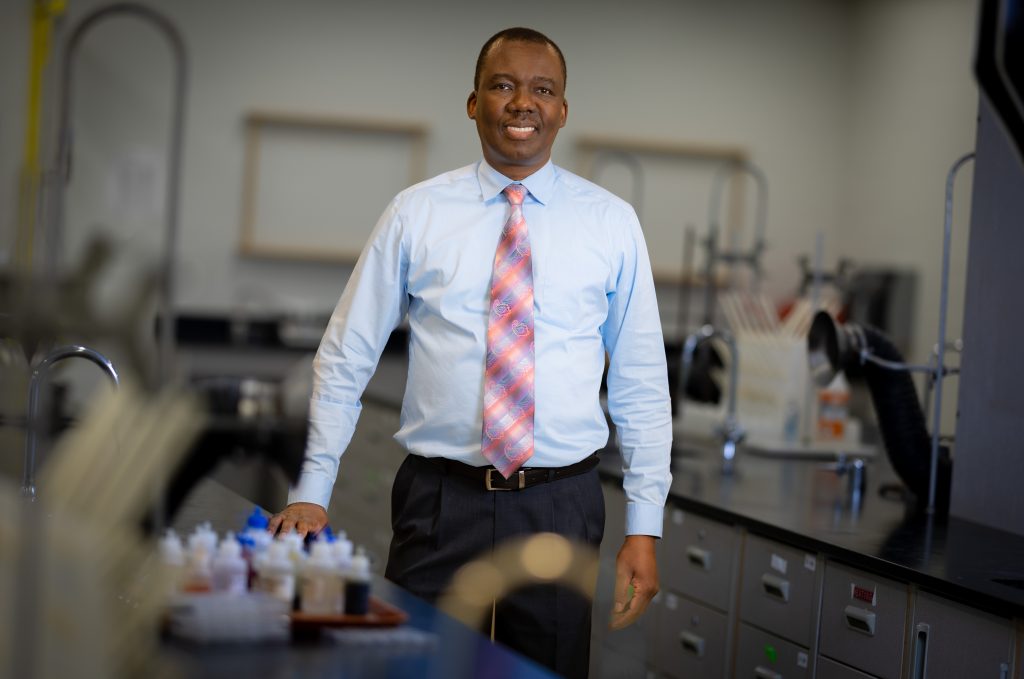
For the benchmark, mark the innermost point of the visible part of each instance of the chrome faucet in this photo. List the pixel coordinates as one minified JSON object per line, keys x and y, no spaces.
{"x":39,"y":373}
{"x":730,"y":431}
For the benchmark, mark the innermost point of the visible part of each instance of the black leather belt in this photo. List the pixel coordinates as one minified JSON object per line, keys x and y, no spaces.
{"x":491,"y":479}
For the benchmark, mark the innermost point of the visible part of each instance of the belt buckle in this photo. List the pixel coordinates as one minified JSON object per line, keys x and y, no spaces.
{"x":521,"y":477}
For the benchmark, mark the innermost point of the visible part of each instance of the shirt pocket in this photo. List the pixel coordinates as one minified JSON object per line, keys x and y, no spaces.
{"x":571,"y":292}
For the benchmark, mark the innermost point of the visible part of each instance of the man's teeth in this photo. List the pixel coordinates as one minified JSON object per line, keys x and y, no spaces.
{"x":521,"y":129}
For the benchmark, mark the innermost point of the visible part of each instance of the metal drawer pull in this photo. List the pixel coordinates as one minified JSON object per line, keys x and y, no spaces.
{"x":692,"y":643}
{"x":774,"y":586}
{"x":765,"y":673}
{"x":921,"y":650}
{"x":699,"y":557}
{"x":860,"y":620}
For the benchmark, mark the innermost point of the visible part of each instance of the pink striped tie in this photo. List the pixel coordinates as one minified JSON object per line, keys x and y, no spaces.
{"x":507,"y":440}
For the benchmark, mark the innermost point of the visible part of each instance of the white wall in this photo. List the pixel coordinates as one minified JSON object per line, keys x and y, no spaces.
{"x":770,"y":80}
{"x":913,"y":109}
{"x":853,"y":108}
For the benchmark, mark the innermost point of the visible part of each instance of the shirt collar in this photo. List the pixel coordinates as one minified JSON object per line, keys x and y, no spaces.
{"x":540,"y":184}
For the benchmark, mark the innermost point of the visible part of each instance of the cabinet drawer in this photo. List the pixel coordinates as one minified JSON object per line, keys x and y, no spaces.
{"x":763,"y":656}
{"x":777,"y":590}
{"x":698,"y":555}
{"x":830,"y":669}
{"x":952,"y":640}
{"x":862,"y":620}
{"x":691,"y":639}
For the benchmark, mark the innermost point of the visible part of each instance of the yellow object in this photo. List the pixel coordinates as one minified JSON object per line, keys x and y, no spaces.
{"x":44,"y":12}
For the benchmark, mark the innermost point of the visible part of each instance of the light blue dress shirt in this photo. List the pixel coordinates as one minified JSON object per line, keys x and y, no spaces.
{"x":430,"y":256}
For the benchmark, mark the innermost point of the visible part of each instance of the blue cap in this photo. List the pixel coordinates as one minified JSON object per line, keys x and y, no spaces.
{"x":257,"y":520}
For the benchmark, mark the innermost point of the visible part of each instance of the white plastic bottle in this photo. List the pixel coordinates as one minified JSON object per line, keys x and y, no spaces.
{"x":343,"y":562}
{"x":230,"y":571}
{"x":275,"y":573}
{"x":172,"y":555}
{"x":321,"y":582}
{"x":204,"y":535}
{"x":295,"y":552}
{"x":198,"y":575}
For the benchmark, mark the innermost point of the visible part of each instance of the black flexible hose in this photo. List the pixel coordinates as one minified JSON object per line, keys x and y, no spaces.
{"x":901,"y":419}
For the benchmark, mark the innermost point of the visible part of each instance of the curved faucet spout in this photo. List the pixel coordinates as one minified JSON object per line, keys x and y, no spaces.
{"x":39,"y":373}
{"x":730,"y":430}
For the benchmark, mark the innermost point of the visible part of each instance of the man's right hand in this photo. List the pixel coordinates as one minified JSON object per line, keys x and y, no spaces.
{"x":303,"y":517}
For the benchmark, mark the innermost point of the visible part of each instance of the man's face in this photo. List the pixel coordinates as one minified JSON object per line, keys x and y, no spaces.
{"x":519,"y":106}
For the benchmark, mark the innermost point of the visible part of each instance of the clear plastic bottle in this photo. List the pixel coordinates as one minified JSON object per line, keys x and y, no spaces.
{"x":275,"y":573}
{"x":230,"y":570}
{"x":357,"y":585}
{"x":321,"y":582}
{"x":833,"y":402}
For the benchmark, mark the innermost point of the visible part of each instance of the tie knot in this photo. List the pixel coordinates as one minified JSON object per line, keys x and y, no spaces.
{"x":515,"y":193}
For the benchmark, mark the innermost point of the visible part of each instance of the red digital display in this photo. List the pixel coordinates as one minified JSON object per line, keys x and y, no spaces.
{"x":864,"y":594}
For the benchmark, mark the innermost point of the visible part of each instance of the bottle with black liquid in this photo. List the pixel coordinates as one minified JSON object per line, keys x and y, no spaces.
{"x":357,"y":585}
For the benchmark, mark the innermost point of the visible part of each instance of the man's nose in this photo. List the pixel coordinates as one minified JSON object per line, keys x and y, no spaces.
{"x":522,"y":100}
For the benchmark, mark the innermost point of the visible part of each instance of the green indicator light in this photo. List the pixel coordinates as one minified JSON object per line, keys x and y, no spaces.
{"x":769,"y":652}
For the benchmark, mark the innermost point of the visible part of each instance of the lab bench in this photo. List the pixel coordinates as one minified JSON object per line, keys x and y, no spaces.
{"x":438,"y":647}
{"x":776,"y":571}
{"x":772,"y":571}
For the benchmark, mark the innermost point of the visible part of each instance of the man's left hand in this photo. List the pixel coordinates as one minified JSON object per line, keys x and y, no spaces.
{"x":636,"y":580}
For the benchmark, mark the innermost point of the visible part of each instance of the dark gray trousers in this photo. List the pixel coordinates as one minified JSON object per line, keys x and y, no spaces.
{"x":441,"y":521}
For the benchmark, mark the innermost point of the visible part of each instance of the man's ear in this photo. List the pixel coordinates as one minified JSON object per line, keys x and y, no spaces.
{"x":471,"y":105}
{"x":565,"y":112}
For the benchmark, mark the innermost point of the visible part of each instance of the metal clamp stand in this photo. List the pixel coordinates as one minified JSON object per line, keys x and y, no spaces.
{"x":636,"y":173}
{"x":752,"y":257}
{"x":937,"y":369}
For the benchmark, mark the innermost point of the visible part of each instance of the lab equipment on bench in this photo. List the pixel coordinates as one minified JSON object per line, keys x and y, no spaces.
{"x":919,"y":460}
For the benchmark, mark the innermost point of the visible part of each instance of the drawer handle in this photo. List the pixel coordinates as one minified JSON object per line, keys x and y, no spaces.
{"x":775,"y":587}
{"x":921,"y":650}
{"x":860,"y":620}
{"x":699,"y":557}
{"x":692,"y":643}
{"x":765,"y":673}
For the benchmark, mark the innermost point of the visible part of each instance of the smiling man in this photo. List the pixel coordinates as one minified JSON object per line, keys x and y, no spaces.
{"x":517,"y":278}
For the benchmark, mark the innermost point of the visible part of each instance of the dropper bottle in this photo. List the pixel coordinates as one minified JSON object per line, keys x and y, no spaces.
{"x":357,"y":585}
{"x":230,"y":570}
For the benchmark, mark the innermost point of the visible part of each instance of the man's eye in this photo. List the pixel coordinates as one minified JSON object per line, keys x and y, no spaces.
{"x":544,"y":90}
{"x":502,"y":86}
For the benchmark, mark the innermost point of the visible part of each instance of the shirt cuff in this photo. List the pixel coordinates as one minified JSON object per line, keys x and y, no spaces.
{"x":312,"y":487}
{"x":644,"y":519}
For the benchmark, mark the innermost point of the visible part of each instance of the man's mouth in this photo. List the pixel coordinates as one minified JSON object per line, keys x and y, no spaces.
{"x":520,"y":131}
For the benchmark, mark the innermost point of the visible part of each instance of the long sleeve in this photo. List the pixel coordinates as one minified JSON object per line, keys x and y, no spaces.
{"x":373,"y":304}
{"x":638,"y":396}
